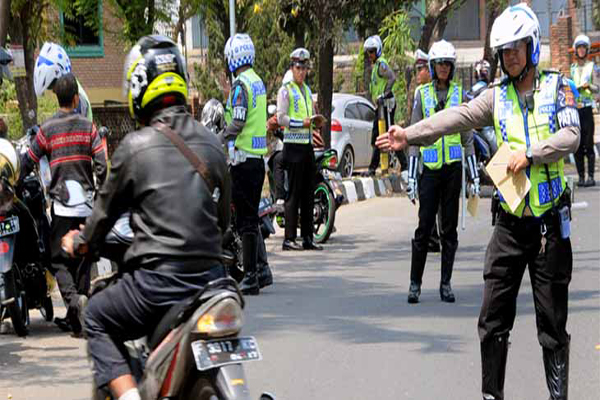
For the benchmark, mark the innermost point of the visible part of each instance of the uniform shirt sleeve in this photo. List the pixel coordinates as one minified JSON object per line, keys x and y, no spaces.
{"x":416,"y":116}
{"x":475,"y":114}
{"x":566,"y":139}
{"x":239,"y":110}
{"x":386,"y":72}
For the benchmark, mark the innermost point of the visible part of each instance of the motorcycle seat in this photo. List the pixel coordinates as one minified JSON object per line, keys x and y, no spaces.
{"x":166,"y":324}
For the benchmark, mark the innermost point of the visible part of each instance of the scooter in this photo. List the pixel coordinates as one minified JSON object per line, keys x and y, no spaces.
{"x":195,"y":352}
{"x":25,"y":282}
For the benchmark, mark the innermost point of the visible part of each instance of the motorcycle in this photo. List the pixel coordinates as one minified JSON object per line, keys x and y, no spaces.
{"x":328,"y":196}
{"x":25,"y":281}
{"x":195,"y":352}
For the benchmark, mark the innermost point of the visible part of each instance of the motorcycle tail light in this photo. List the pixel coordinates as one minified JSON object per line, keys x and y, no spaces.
{"x":223,"y":319}
{"x":332,"y":162}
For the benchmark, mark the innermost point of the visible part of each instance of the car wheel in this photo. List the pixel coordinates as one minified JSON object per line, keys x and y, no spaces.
{"x":347,"y":163}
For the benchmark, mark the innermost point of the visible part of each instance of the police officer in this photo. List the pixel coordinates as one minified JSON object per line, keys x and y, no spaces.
{"x":481,"y":73}
{"x":245,"y":136}
{"x":581,"y":73}
{"x":382,"y":81}
{"x":295,"y":110}
{"x":534,"y":113}
{"x":441,"y":181}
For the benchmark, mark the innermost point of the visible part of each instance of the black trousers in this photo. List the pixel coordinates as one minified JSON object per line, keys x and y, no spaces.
{"x":515,"y":245}
{"x":277,"y":165}
{"x":131,"y":308}
{"x":301,"y":179}
{"x":247,"y":181}
{"x":437,"y":188}
{"x":72,"y":274}
{"x":376,"y":155}
{"x":586,"y":143}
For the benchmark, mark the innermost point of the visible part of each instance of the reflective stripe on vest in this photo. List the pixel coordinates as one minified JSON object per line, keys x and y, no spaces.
{"x":581,"y":76}
{"x":253,"y":138}
{"x":300,"y":107}
{"x":378,"y":83}
{"x":447,"y":149}
{"x":522,"y":129}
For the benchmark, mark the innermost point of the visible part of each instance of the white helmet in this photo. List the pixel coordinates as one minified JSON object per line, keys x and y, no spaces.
{"x":52,"y":63}
{"x":213,"y":116}
{"x":517,"y":23}
{"x":442,"y":51}
{"x":10,"y":162}
{"x":582,"y":40}
{"x":300,"y":56}
{"x":421,"y":57}
{"x":239,"y":51}
{"x":373,"y":42}
{"x":287,"y":78}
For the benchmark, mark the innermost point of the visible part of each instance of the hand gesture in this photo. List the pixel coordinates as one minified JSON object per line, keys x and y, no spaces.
{"x":394,"y":139}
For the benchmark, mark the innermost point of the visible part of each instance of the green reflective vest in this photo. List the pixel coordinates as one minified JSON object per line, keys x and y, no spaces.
{"x":300,"y":107}
{"x":378,"y":83}
{"x":447,"y":149}
{"x":253,"y":138}
{"x":521,"y":129}
{"x":581,"y":76}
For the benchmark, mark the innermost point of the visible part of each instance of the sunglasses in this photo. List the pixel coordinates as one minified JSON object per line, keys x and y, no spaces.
{"x":443,"y":62}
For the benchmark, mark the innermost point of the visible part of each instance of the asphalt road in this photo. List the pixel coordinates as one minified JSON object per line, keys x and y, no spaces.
{"x":336,"y":324}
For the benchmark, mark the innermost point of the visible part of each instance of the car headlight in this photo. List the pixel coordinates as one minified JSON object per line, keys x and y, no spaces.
{"x":223,"y":319}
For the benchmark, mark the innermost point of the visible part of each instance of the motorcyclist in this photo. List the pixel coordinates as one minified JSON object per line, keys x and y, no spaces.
{"x":245,"y":136}
{"x":481,"y":73}
{"x":582,"y":72}
{"x":74,"y":149}
{"x":52,"y":63}
{"x":440,"y":182}
{"x":295,"y":110}
{"x":178,"y":215}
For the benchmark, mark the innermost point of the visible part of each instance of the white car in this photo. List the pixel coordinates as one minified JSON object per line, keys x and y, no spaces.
{"x":351,"y":126}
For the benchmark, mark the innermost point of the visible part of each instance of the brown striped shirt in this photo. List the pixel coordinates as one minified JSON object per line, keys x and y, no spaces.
{"x":74,"y":150}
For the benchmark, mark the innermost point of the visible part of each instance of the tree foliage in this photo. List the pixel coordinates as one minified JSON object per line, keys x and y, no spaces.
{"x":398,"y":46}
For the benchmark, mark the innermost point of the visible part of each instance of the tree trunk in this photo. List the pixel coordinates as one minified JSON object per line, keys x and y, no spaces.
{"x":24,"y":85}
{"x":4,"y":20}
{"x":427,"y":32}
{"x":495,"y":8}
{"x":326,"y":87}
{"x":440,"y":27}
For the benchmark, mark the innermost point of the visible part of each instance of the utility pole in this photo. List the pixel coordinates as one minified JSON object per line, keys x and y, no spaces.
{"x":231,"y":18}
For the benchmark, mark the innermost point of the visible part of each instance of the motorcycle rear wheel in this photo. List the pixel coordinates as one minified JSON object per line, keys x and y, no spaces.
{"x":324,"y":213}
{"x":202,"y":389}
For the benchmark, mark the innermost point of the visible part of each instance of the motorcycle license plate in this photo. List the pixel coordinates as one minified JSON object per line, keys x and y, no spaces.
{"x":9,"y":226}
{"x":215,"y":353}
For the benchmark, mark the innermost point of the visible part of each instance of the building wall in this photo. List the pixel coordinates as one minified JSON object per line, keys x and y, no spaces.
{"x":101,"y":77}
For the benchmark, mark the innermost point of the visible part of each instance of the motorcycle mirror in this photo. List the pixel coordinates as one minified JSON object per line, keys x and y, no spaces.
{"x":266,"y":396}
{"x":272,"y":109}
{"x":103,"y":132}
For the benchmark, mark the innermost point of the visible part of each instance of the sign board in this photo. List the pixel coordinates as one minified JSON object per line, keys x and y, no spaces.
{"x":18,"y":65}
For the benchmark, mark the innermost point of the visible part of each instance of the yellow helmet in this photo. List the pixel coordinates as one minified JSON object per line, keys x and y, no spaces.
{"x":154,"y":76}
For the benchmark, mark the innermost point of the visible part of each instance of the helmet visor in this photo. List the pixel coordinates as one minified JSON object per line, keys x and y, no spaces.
{"x":513,"y":45}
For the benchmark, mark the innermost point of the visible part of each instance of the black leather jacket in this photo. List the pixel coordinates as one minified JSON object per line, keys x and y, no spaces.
{"x":173,"y":215}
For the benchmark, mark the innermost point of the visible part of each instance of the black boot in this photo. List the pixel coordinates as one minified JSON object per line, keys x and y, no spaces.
{"x":591,"y":165}
{"x":309,"y":244}
{"x":265,"y":277}
{"x":414,"y":291}
{"x":493,"y":367}
{"x":448,"y":253}
{"x":556,"y":365}
{"x":249,"y":284}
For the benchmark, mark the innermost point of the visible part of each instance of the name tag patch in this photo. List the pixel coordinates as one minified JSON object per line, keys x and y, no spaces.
{"x":546,"y":109}
{"x":568,"y":117}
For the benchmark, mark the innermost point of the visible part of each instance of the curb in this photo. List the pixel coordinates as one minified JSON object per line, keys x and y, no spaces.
{"x":360,"y":189}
